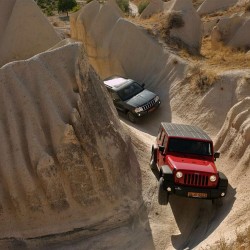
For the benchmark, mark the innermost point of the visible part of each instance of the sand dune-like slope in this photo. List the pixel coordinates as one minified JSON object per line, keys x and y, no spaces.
{"x":65,"y":162}
{"x":24,"y":30}
{"x":209,"y":105}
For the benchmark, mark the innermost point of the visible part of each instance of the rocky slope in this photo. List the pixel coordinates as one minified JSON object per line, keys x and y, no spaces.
{"x":64,"y":153}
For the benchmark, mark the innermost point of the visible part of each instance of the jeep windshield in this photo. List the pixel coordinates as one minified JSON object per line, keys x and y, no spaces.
{"x":185,"y":146}
{"x":130,"y":90}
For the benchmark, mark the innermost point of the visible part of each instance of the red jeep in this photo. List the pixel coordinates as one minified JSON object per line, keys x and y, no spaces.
{"x":184,"y":157}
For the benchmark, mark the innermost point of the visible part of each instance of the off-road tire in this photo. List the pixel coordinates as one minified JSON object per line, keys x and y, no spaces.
{"x":163,"y":195}
{"x":153,"y":159}
{"x":131,"y":117}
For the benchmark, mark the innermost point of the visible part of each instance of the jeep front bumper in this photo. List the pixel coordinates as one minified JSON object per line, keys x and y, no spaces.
{"x":151,"y":109}
{"x":202,"y":193}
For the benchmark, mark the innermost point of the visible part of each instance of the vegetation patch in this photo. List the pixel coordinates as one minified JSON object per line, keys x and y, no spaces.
{"x":242,"y":242}
{"x":201,"y":79}
{"x":123,"y":5}
{"x":142,"y":6}
{"x":174,"y":20}
{"x":247,"y":8}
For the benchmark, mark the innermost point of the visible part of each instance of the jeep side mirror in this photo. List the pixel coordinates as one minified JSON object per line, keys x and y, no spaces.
{"x":216,"y":155}
{"x":161,"y":149}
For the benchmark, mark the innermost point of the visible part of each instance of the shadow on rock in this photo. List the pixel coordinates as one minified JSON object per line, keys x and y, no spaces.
{"x":197,"y":219}
{"x":135,"y":233}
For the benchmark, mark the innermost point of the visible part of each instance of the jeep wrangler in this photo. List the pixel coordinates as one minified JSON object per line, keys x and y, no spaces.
{"x":184,"y":157}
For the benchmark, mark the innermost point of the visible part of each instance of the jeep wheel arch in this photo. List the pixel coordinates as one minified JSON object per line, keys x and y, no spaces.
{"x":131,"y":117}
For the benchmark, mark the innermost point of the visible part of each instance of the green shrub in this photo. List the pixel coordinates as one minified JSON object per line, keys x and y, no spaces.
{"x":142,"y":6}
{"x":76,"y":8}
{"x":124,"y":5}
{"x":48,"y":11}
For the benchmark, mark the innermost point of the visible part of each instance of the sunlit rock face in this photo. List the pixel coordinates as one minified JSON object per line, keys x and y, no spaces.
{"x":65,"y":161}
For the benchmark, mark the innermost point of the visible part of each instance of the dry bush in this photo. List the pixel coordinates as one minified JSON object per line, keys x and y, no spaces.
{"x":247,"y":8}
{"x":223,"y":57}
{"x":242,"y":242}
{"x":55,"y":24}
{"x":201,"y":79}
{"x":174,"y":20}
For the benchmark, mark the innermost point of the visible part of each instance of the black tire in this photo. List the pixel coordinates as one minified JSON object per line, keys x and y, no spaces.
{"x":163,"y":195}
{"x":131,"y":117}
{"x":153,"y":159}
{"x":217,"y":202}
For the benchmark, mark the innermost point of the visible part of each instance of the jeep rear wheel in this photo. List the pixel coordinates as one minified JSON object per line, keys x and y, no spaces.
{"x":163,"y":195}
{"x":132,"y":117}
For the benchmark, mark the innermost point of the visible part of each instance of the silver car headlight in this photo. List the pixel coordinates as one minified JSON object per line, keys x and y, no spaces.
{"x":179,"y":174}
{"x":157,"y":98}
{"x":212,"y":178}
{"x":138,"y":110}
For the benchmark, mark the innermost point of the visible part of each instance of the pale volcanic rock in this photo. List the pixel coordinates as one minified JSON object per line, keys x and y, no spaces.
{"x":64,"y":155}
{"x":210,"y":6}
{"x":24,"y":31}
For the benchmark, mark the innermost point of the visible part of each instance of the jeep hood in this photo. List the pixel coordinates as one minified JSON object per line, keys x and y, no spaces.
{"x":141,"y":98}
{"x":191,"y":164}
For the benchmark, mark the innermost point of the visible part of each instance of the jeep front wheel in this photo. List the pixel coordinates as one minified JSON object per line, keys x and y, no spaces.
{"x":131,"y":117}
{"x":153,"y":158}
{"x":163,"y":195}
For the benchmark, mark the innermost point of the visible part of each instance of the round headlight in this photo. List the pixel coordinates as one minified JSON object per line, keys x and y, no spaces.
{"x":212,"y":178}
{"x":139,"y":109}
{"x":179,"y":174}
{"x":157,"y":98}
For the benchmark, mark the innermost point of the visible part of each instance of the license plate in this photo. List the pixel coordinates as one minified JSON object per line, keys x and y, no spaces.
{"x":152,"y":109}
{"x":197,"y":195}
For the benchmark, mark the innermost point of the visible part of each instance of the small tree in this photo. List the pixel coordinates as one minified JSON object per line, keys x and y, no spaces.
{"x":66,"y":5}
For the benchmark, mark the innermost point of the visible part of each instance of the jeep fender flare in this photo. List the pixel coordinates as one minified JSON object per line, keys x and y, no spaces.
{"x":166,"y":174}
{"x":223,"y":181}
{"x":165,"y":169}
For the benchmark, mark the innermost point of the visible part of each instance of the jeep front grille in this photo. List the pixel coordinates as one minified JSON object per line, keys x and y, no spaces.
{"x":149,"y":105}
{"x":196,"y":180}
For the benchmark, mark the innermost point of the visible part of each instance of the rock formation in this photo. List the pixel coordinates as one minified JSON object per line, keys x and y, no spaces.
{"x":234,"y":136}
{"x":24,"y":31}
{"x":64,"y":154}
{"x":210,"y":6}
{"x":233,"y":32}
{"x":190,"y":34}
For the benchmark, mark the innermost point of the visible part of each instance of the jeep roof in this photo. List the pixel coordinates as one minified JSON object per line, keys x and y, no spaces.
{"x":185,"y":131}
{"x":117,"y":83}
